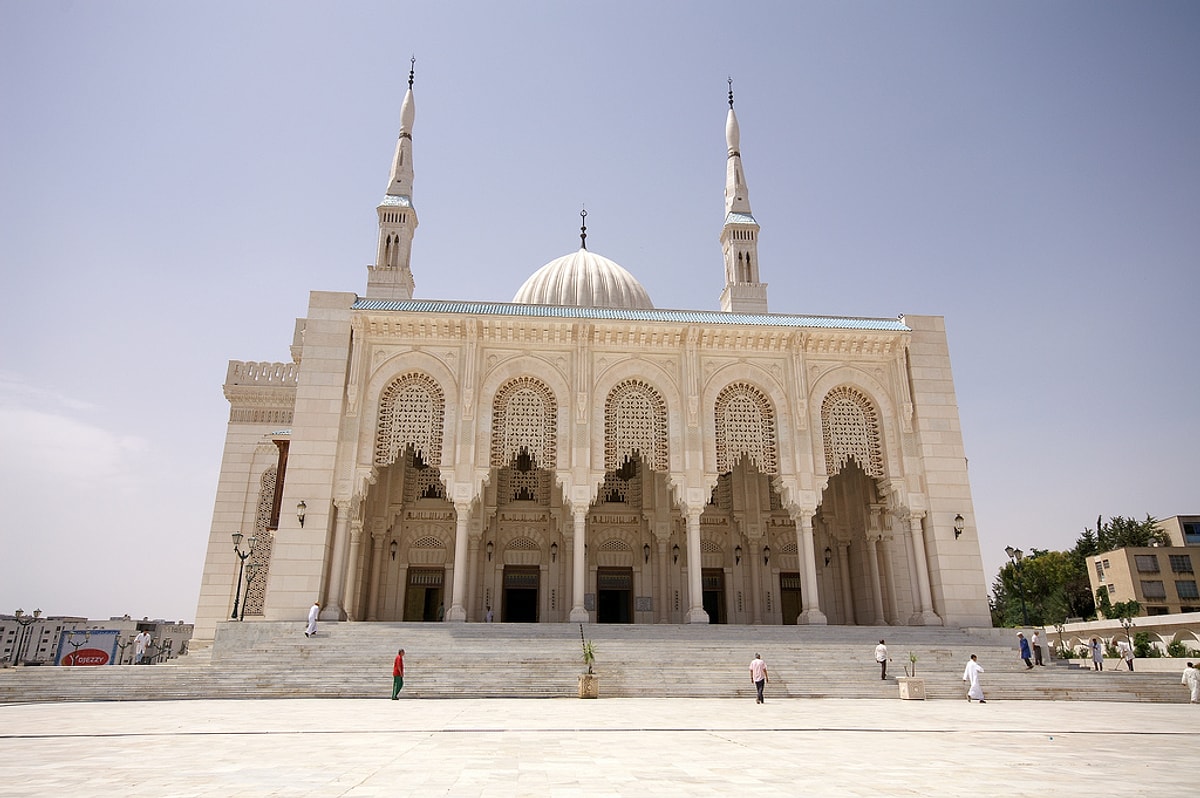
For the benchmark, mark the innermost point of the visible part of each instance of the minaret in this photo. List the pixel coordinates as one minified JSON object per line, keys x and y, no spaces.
{"x":739,"y":237}
{"x":391,"y":277}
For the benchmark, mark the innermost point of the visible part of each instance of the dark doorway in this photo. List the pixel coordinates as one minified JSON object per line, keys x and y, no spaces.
{"x":423,"y":599}
{"x":520,"y":594}
{"x":789,"y":597}
{"x":614,"y":595}
{"x":713,"y":580}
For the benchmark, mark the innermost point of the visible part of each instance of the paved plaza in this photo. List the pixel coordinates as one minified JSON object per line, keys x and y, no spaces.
{"x":613,"y":747}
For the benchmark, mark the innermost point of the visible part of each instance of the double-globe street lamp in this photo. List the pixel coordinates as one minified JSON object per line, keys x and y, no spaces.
{"x":1016,"y":555}
{"x":23,"y":633}
{"x":242,"y":557}
{"x":251,"y":572}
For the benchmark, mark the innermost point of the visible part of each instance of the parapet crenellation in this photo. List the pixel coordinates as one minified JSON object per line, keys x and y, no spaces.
{"x":249,"y":372}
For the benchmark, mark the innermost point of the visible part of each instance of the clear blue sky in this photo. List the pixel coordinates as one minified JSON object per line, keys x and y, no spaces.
{"x":174,"y":179}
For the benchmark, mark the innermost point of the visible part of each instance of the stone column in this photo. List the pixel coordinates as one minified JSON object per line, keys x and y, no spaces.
{"x":876,"y":583}
{"x":458,"y":591}
{"x":473,"y":578}
{"x":350,"y":603}
{"x":378,"y":536}
{"x":849,"y":616}
{"x":927,"y":616}
{"x":332,"y":611}
{"x":578,"y":566}
{"x":696,"y":613}
{"x":810,"y":599}
{"x":662,"y":598}
{"x":889,"y":580}
{"x":757,"y":566}
{"x":914,"y":589}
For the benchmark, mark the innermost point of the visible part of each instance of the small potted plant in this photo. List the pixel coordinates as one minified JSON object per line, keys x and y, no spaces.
{"x":910,"y":686}
{"x":589,"y":682}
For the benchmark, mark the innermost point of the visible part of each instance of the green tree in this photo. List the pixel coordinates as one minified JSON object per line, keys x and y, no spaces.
{"x":1121,"y":532}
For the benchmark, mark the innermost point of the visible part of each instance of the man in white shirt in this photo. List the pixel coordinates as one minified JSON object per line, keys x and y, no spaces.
{"x":758,"y":675}
{"x":971,"y":675}
{"x":1191,"y":677}
{"x":140,"y":643}
{"x":313,"y":612}
{"x":882,"y":658}
{"x":1037,"y":648}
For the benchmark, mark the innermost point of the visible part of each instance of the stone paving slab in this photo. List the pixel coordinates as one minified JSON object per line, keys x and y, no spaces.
{"x":613,"y":747}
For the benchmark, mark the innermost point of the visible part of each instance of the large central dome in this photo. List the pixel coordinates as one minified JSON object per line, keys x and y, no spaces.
{"x":585,"y":280}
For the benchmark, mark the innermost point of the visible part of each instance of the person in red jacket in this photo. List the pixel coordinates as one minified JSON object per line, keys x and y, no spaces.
{"x":398,"y":675}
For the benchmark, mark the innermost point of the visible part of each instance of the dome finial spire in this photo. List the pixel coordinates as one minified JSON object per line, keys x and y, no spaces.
{"x":412,"y":68}
{"x":583,"y":228}
{"x":731,"y":91}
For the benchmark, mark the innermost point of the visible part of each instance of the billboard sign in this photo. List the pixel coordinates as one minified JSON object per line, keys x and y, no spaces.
{"x":87,"y":647}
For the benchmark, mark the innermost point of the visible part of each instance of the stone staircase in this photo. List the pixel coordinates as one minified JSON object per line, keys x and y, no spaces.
{"x":275,"y":660}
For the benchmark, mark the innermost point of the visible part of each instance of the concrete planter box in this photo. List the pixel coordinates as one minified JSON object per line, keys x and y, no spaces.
{"x":911,"y":687}
{"x":589,"y":685}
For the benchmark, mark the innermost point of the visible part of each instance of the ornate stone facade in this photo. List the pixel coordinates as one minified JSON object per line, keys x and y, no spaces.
{"x":581,"y":463}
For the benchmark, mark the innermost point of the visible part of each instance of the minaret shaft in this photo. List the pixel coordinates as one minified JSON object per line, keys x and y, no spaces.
{"x":743,"y":292}
{"x":391,"y":276}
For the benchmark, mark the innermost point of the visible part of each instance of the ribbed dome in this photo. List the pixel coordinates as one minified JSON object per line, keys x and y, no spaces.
{"x":585,"y":280}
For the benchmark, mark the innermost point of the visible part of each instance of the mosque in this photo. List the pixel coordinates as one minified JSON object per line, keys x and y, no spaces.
{"x":578,"y":455}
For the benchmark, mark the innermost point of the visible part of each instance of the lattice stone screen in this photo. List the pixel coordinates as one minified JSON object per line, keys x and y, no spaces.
{"x":525,"y":418}
{"x":745,"y":424}
{"x":411,"y":412}
{"x":264,"y":540}
{"x":850,"y":427}
{"x":635,"y":420}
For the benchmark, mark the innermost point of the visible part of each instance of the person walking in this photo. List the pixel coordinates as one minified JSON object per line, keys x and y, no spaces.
{"x":398,"y":675}
{"x":1191,"y":678}
{"x":758,"y":675}
{"x":971,"y":675}
{"x":489,"y":615}
{"x":1025,"y":655}
{"x":140,"y":643}
{"x":313,"y":612}
{"x":1097,"y":654}
{"x":1037,"y":649}
{"x":881,"y":656}
{"x":1126,"y":652}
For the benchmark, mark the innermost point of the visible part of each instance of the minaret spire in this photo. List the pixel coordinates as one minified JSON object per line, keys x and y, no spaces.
{"x":739,"y":237}
{"x":583,"y":228}
{"x":390,"y":277}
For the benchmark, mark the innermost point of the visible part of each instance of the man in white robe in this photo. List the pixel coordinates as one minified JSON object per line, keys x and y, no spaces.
{"x":971,"y":675}
{"x":313,"y":611}
{"x":1191,"y":677}
{"x":140,"y":643}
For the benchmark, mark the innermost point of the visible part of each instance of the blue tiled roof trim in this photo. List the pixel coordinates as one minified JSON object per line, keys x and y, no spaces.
{"x":739,"y":218}
{"x":622,"y":314}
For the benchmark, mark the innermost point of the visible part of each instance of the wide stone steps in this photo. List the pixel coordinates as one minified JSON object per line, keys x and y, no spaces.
{"x":269,"y":659}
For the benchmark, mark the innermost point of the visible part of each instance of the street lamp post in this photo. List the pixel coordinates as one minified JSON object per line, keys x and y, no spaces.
{"x":1016,"y":555}
{"x":24,"y":632}
{"x":242,"y":557}
{"x":251,"y":572}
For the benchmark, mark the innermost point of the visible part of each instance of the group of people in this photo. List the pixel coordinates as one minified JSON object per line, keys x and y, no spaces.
{"x":1031,"y":654}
